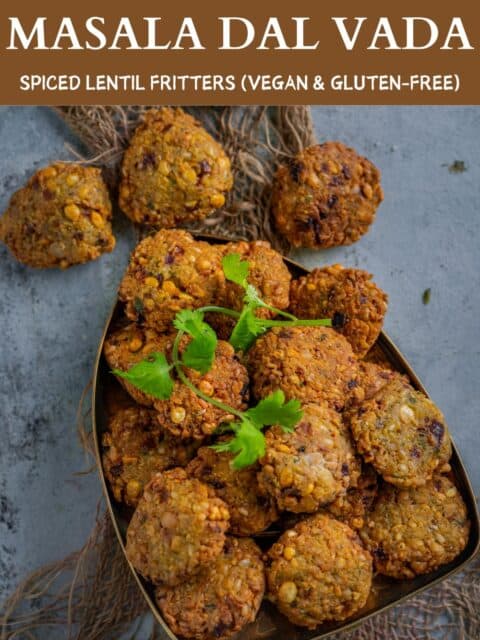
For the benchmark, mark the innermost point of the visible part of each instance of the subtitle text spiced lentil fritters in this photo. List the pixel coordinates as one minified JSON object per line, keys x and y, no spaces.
{"x":414,"y":531}
{"x":327,"y":195}
{"x":251,"y":512}
{"x":309,"y":467}
{"x":402,"y":433}
{"x":348,"y":297}
{"x":318,"y":571}
{"x":310,"y":364}
{"x":60,"y":218}
{"x":173,"y":171}
{"x":177,"y":529}
{"x":221,"y":599}
{"x":134,"y":448}
{"x":168,"y":272}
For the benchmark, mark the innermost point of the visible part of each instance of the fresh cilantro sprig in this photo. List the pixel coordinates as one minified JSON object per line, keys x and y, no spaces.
{"x":153,"y":375}
{"x":200,"y":351}
{"x":248,"y":442}
{"x":249,"y":326}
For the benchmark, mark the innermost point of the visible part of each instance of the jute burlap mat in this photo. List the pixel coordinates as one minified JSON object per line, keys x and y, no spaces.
{"x":91,"y":594}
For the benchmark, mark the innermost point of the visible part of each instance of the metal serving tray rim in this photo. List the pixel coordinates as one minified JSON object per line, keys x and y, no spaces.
{"x":387,"y":345}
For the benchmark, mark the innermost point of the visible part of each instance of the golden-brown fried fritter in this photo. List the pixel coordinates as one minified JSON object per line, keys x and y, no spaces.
{"x":186,"y":415}
{"x":178,"y":528}
{"x":168,"y":272}
{"x":60,"y":218}
{"x":402,"y":433}
{"x":251,"y":512}
{"x":268,"y":273}
{"x":318,"y":571}
{"x":353,"y":506}
{"x":309,"y":467}
{"x":326,"y":196}
{"x":134,"y":448}
{"x":311,"y":364}
{"x":414,"y":531}
{"x":348,"y":297}
{"x":221,"y":599}
{"x":128,"y":345}
{"x":173,"y":171}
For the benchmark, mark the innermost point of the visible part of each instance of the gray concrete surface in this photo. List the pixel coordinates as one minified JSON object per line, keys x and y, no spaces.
{"x":427,"y":235}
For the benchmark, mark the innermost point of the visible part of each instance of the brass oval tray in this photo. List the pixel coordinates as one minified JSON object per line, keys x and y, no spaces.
{"x":270,"y":624}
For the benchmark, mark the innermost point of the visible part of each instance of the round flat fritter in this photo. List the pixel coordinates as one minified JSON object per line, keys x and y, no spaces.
{"x":311,"y":364}
{"x":177,"y":529}
{"x":353,"y":506}
{"x":309,"y":467}
{"x":129,"y":345}
{"x":60,"y":218}
{"x":221,"y":599}
{"x":318,"y":571}
{"x":414,"y":531}
{"x":168,"y":272}
{"x":348,"y":297}
{"x":326,"y":196}
{"x":373,"y":377}
{"x":402,"y":433}
{"x":186,"y":415}
{"x":251,"y":512}
{"x":136,"y":447}
{"x":173,"y":171}
{"x":268,"y":273}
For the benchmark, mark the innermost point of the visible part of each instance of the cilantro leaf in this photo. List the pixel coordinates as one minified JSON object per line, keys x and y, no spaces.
{"x":151,"y":375}
{"x":200,"y":351}
{"x":274,"y":410}
{"x":246,"y":330}
{"x":235,"y":269}
{"x":248,"y":443}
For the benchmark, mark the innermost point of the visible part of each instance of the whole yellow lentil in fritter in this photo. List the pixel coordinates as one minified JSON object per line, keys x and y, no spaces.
{"x":221,"y":599}
{"x":310,"y":364}
{"x":178,"y":528}
{"x":173,"y":171}
{"x":326,"y":196}
{"x":415,"y":531}
{"x":318,"y":571}
{"x":251,"y":512}
{"x":168,"y":272}
{"x":348,"y":297}
{"x":60,"y":218}
{"x":309,"y":467}
{"x":134,"y":448}
{"x":402,"y":433}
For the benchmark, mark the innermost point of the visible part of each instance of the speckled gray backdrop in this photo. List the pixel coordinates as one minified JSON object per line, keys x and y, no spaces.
{"x":427,"y":235}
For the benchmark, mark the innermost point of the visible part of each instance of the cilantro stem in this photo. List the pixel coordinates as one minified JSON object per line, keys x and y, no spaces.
{"x":224,"y":310}
{"x":178,"y":364}
{"x":324,"y":322}
{"x":279,"y":312}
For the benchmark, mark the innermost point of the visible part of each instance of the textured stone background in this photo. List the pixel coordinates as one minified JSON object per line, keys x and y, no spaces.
{"x":427,"y":234}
